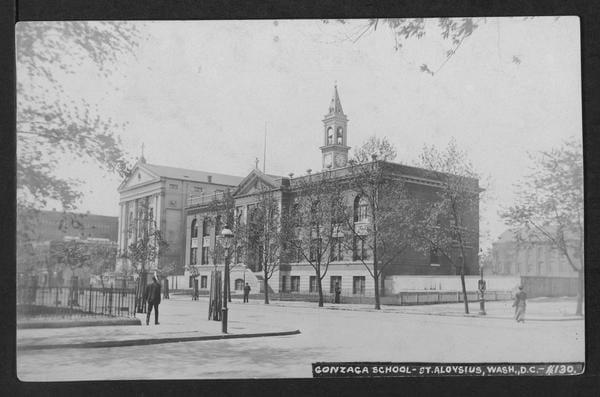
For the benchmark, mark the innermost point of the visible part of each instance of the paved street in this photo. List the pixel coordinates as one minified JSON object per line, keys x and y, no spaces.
{"x":394,"y":334}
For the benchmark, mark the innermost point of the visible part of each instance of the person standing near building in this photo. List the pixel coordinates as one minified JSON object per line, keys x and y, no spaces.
{"x":520,"y":304}
{"x":246,"y":292}
{"x":153,"y":296}
{"x":338,"y":292}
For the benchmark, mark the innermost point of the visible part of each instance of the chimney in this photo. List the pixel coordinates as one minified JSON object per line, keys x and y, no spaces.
{"x":209,"y":178}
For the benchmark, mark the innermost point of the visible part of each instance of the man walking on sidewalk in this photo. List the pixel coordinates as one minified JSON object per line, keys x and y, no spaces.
{"x":153,"y":296}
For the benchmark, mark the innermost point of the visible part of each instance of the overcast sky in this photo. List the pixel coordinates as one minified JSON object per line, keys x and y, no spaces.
{"x":198,"y":95}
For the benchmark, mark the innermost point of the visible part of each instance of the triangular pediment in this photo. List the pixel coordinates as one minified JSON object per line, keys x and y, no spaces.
{"x":254,"y":183}
{"x":139,"y":176}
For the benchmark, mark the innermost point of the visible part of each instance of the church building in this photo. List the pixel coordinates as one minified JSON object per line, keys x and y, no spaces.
{"x":160,"y":194}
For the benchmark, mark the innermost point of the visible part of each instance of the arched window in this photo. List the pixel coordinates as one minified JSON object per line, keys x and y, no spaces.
{"x":218,"y":225}
{"x":239,"y":284}
{"x":205,"y":231}
{"x":361,"y":209}
{"x":330,"y":136}
{"x":194,"y":228}
{"x":340,"y":136}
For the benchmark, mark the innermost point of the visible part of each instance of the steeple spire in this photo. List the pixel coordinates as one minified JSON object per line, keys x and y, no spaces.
{"x":335,"y":107}
{"x":335,"y":138}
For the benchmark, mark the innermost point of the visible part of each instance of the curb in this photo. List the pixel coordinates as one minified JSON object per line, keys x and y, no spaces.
{"x":69,"y":324}
{"x":144,"y":342}
{"x":498,"y":317}
{"x":572,"y":318}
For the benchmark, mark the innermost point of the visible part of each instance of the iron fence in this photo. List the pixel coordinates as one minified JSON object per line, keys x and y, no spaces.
{"x":33,"y":300}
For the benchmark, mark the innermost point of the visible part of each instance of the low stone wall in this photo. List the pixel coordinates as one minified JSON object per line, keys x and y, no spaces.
{"x":429,"y":297}
{"x":536,"y":286}
{"x":405,"y":298}
{"x":397,"y":284}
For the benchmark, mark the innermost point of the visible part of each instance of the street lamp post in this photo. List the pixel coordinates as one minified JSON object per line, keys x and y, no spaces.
{"x":481,"y":291}
{"x":227,"y":235}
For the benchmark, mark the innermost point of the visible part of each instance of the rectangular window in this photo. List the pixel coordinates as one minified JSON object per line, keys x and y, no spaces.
{"x":312,"y":287}
{"x":193,"y":256}
{"x":336,"y":252}
{"x":283,"y":283}
{"x":218,"y":225}
{"x":434,"y":257}
{"x":191,"y":281}
{"x":295,"y":283}
{"x":360,"y":249}
{"x":358,"y":285}
{"x":198,"y":189}
{"x":334,"y":281}
{"x":173,"y":186}
{"x":203,"y":281}
{"x":205,"y":255}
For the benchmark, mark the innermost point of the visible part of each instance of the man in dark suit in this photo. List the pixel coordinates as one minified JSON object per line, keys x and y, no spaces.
{"x":246,"y":292}
{"x":153,"y":296}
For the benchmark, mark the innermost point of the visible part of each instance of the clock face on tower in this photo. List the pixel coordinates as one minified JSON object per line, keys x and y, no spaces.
{"x":340,"y":160}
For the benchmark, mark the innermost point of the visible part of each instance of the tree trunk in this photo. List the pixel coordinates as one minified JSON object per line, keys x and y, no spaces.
{"x":320,"y":288}
{"x":376,"y":278}
{"x":580,"y":291}
{"x":464,"y":288}
{"x":266,"y":285}
{"x":375,"y":273}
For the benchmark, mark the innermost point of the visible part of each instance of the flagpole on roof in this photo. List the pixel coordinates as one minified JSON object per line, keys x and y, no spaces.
{"x":265,"y":151}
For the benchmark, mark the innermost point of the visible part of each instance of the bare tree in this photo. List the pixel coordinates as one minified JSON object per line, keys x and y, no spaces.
{"x":381,"y":217}
{"x":315,"y":222}
{"x":449,"y":225}
{"x":146,"y":248}
{"x":380,"y":147}
{"x":549,"y":206}
{"x":265,"y":233}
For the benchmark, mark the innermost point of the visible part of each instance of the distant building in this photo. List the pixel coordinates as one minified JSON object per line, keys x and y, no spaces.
{"x":203,"y":225}
{"x":55,"y":225}
{"x":48,"y":229}
{"x":536,"y":257}
{"x":164,"y":192}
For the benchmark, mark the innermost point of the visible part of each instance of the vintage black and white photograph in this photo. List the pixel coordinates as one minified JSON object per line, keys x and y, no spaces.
{"x":299,"y":198}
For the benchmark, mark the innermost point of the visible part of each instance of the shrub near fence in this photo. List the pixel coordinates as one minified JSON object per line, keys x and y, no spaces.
{"x":74,"y":301}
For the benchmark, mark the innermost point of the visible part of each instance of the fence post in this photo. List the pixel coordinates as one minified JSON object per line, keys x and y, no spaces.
{"x":110,"y":300}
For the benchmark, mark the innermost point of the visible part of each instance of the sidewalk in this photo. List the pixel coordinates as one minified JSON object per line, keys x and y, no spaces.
{"x":182,"y":319}
{"x":177,"y":324}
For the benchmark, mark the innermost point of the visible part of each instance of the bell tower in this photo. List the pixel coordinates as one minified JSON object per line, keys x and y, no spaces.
{"x":335,"y":134}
